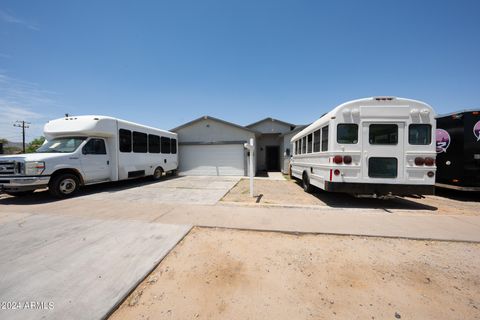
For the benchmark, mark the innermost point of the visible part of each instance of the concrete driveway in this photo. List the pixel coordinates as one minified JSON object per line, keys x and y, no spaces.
{"x":75,"y":268}
{"x":185,"y":189}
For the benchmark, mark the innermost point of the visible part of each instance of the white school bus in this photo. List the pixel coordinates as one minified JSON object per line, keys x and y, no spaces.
{"x":377,"y":146}
{"x":85,"y":150}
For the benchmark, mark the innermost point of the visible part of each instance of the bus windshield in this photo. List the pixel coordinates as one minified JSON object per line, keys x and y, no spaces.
{"x":61,"y":145}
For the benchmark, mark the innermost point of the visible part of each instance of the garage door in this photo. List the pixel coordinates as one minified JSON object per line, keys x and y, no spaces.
{"x":212,"y":160}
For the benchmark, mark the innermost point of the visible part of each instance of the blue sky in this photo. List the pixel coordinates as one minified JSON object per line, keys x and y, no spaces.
{"x":163,"y":63}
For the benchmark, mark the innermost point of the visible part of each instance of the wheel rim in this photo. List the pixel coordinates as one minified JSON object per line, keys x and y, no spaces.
{"x":67,"y":186}
{"x":157,"y":174}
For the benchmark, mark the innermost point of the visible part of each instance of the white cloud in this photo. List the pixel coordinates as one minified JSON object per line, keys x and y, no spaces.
{"x":9,"y":18}
{"x":24,"y":101}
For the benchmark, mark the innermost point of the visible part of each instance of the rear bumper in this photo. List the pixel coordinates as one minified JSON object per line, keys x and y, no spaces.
{"x":380,"y":188}
{"x":23,"y":183}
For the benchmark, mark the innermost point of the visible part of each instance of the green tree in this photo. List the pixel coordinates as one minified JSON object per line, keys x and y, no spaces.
{"x":35,"y":144}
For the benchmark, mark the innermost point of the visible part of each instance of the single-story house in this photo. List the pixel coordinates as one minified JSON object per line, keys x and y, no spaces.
{"x":211,"y":146}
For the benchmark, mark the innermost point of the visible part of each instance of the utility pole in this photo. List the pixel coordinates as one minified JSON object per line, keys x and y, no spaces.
{"x":23,"y":125}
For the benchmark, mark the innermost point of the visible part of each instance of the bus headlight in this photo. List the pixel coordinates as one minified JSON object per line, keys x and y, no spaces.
{"x":34,"y":168}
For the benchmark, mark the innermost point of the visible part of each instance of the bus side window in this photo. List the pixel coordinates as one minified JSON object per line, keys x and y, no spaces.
{"x":95,"y":146}
{"x":125,"y":137}
{"x":139,"y":142}
{"x":309,"y":143}
{"x":153,"y":143}
{"x":325,"y":138}
{"x":165,"y":142}
{"x":304,"y":145}
{"x":173,"y":146}
{"x":316,"y":141}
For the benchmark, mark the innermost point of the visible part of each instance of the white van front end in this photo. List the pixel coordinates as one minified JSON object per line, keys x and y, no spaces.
{"x":29,"y":172}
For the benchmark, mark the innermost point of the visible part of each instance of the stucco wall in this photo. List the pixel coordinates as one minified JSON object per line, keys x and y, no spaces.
{"x":285,"y":163}
{"x":269,"y":126}
{"x":212,"y":132}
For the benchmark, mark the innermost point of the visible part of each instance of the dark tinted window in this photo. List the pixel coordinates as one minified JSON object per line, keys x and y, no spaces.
{"x":173,"y":146}
{"x":325,"y":138}
{"x":347,"y":133}
{"x":296,"y":147}
{"x":125,"y":137}
{"x":309,"y":143}
{"x":382,"y":167}
{"x":139,"y":142}
{"x":420,"y":134}
{"x":316,"y":141}
{"x":95,"y":146}
{"x":153,"y":143}
{"x":165,"y":144}
{"x":383,"y":134}
{"x":304,"y":145}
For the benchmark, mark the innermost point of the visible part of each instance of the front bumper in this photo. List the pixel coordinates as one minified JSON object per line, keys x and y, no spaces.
{"x":18,"y":183}
{"x":380,"y":188}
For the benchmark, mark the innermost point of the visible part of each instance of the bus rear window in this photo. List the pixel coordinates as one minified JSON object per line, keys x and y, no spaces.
{"x":420,"y":134}
{"x":347,"y":133}
{"x":382,"y":167}
{"x":383,"y":134}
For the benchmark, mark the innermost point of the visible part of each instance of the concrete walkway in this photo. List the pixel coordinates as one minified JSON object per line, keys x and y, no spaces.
{"x":76,"y":268}
{"x":362,"y":222}
{"x":414,"y":224}
{"x":271,"y":175}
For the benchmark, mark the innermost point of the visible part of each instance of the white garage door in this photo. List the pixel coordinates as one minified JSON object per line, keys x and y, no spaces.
{"x":212,"y":160}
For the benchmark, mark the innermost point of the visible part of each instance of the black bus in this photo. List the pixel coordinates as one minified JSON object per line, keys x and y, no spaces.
{"x":458,"y":150}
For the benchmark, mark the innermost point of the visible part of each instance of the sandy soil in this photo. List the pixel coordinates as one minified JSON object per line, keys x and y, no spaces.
{"x":272,"y":192}
{"x":227,"y":274}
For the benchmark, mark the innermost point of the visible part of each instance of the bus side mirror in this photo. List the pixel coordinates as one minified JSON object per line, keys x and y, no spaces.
{"x":84,"y":151}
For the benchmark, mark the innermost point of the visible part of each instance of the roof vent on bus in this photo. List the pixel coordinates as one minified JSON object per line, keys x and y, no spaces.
{"x":384,"y":98}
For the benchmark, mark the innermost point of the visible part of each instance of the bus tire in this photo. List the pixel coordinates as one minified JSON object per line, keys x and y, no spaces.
{"x":307,"y":187}
{"x":158,"y":173}
{"x":63,"y":185}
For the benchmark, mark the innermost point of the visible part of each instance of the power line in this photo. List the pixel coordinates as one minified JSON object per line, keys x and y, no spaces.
{"x":23,"y":125}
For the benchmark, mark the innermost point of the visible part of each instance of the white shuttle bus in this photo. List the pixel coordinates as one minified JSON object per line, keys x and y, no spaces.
{"x":378,"y":146}
{"x":86,"y":150}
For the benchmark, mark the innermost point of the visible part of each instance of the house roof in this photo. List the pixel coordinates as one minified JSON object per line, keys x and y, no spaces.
{"x":272,"y":120}
{"x":297,"y":129}
{"x":214,"y":119}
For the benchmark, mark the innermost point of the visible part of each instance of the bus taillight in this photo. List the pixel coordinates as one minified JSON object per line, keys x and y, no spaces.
{"x":347,"y":159}
{"x":419,"y":161}
{"x":429,"y":161}
{"x":338,"y":159}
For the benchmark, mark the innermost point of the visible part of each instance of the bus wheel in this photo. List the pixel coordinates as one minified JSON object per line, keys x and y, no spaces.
{"x":158,"y":173}
{"x":63,"y":185}
{"x":307,"y":187}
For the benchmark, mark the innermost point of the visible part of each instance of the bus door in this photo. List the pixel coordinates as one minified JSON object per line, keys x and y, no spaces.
{"x":95,"y":161}
{"x":383,"y":151}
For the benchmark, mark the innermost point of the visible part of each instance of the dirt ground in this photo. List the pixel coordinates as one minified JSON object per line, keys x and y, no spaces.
{"x":233,"y":274}
{"x":271,"y":192}
{"x":274,"y":192}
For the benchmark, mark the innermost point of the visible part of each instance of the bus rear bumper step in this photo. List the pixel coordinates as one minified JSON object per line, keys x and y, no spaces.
{"x":380,"y":189}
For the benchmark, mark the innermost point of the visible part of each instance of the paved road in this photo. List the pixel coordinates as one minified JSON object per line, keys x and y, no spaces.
{"x":82,"y":266}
